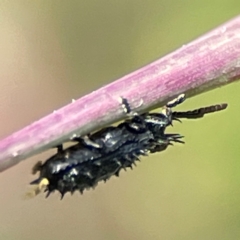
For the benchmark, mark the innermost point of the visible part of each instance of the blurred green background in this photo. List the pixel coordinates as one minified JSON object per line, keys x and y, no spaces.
{"x":53,"y":51}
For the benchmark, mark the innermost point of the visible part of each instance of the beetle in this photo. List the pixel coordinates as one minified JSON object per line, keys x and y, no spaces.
{"x":98,"y":156}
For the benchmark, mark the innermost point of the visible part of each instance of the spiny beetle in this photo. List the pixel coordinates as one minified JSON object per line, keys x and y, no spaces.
{"x":100,"y":155}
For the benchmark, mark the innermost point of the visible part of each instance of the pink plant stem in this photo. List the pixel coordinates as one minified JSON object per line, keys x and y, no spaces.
{"x":210,"y":61}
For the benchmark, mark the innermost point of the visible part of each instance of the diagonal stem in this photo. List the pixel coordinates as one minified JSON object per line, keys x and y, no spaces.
{"x":208,"y":62}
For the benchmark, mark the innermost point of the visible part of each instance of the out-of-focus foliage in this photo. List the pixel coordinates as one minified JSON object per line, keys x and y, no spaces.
{"x":52,"y":51}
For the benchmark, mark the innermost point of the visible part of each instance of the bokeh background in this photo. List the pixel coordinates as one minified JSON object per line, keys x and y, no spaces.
{"x":53,"y":51}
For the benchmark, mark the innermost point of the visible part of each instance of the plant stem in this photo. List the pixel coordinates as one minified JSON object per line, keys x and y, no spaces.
{"x":210,"y":61}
